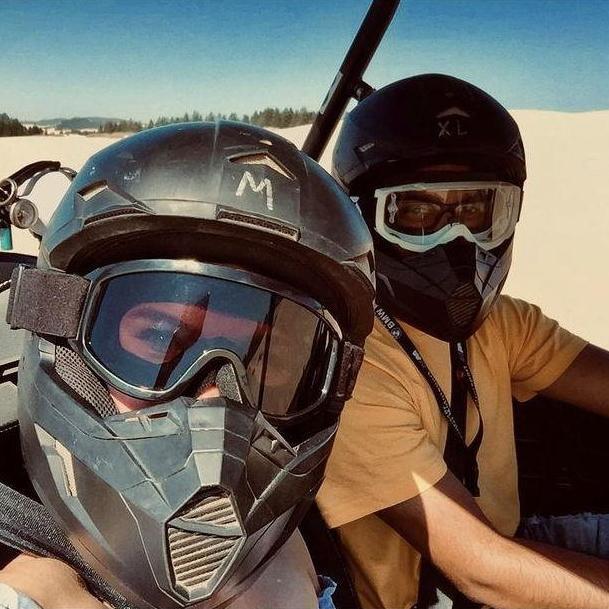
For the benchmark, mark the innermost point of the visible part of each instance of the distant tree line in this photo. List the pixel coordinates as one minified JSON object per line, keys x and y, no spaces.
{"x":120,"y":126}
{"x":274,"y":117}
{"x":269,"y":117}
{"x":11,"y":126}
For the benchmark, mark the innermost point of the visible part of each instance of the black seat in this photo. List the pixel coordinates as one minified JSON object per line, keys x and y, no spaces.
{"x":562,"y":458}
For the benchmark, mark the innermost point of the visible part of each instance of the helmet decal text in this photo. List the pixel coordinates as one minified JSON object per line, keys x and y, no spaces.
{"x":450,"y":127}
{"x":264,"y":185}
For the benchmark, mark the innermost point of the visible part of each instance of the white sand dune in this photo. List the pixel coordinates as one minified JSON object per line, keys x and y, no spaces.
{"x":561,"y":253}
{"x":71,"y":150}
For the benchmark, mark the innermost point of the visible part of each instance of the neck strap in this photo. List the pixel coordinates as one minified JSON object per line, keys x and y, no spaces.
{"x":459,"y":358}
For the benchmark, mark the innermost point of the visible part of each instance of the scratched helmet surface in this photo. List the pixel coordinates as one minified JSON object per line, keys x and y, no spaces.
{"x":180,"y":503}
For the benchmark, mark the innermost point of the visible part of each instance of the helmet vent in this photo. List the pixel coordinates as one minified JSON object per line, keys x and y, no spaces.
{"x":91,"y":190}
{"x":197,"y":559}
{"x":463,"y":305}
{"x":263,"y":158}
{"x":73,"y":371}
{"x":112,"y":213}
{"x":259,"y":223}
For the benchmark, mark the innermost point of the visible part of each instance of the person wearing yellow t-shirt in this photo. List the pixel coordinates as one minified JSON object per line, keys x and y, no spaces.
{"x":422,"y":481}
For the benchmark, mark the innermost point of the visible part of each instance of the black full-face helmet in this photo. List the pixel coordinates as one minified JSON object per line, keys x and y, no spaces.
{"x":182,"y":260}
{"x":437,"y":167}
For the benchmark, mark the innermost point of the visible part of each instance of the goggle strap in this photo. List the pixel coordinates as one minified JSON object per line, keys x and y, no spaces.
{"x":351,"y":360}
{"x":46,"y":302}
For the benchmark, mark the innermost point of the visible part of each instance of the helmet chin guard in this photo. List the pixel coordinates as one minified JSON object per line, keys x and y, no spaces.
{"x":176,"y":491}
{"x":447,"y":291}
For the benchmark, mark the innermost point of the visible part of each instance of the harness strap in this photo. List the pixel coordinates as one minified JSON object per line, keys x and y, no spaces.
{"x":26,"y":526}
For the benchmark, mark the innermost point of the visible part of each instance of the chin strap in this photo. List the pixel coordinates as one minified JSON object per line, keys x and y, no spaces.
{"x":26,"y":526}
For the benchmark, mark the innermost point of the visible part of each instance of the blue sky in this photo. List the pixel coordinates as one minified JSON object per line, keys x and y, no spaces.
{"x":145,"y":58}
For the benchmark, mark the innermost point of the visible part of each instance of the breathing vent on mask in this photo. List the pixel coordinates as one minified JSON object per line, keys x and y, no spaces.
{"x":463,"y":305}
{"x":73,"y":371}
{"x":202,"y":538}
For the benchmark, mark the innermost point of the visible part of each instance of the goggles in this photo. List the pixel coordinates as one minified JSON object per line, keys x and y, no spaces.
{"x":151,"y":327}
{"x":421,"y":216}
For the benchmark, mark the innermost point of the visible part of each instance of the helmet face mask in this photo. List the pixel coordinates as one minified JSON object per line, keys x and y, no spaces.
{"x":175,"y":490}
{"x":438,"y":168}
{"x":446,"y":291}
{"x":193,"y":336}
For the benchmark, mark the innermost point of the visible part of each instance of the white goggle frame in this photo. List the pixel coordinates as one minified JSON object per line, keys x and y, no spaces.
{"x":507,"y":197}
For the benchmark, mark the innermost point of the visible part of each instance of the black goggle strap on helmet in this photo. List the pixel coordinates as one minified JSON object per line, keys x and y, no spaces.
{"x":349,"y":364}
{"x":46,"y":302}
{"x":52,"y":303}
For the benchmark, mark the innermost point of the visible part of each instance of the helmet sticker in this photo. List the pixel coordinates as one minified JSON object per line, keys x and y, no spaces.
{"x":453,"y":125}
{"x":392,"y":209}
{"x":265,"y":184}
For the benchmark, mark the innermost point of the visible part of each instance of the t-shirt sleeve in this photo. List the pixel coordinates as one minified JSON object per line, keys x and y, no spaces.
{"x":382,"y":454}
{"x":539,"y":350}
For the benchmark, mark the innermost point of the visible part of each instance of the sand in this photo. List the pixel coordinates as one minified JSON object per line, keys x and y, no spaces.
{"x":561,"y":252}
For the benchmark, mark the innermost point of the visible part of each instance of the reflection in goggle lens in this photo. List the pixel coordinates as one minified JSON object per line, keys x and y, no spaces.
{"x":151,"y":329}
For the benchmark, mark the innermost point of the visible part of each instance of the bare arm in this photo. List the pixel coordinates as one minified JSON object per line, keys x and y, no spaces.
{"x":48,"y":582}
{"x":445,"y":525}
{"x":585,"y":383}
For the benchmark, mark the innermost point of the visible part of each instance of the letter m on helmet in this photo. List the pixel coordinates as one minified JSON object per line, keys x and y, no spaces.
{"x":264,"y":185}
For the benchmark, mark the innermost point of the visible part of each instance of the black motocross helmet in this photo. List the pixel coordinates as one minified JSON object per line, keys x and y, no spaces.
{"x":185,"y":257}
{"x":431,"y":129}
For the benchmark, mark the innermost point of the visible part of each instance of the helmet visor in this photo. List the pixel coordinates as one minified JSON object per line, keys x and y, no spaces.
{"x":149,"y":333}
{"x":421,"y":216}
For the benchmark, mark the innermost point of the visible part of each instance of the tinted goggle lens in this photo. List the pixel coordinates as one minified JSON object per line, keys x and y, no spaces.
{"x":413,"y":212}
{"x":152,"y":331}
{"x":422,"y":214}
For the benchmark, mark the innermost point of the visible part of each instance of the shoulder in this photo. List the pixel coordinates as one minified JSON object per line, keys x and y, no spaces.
{"x":11,"y":599}
{"x":510,"y":309}
{"x":515,"y":319}
{"x":385,"y":362}
{"x":520,"y":321}
{"x":48,"y":582}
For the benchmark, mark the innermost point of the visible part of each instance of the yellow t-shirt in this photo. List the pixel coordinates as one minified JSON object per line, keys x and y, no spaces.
{"x":391,"y":438}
